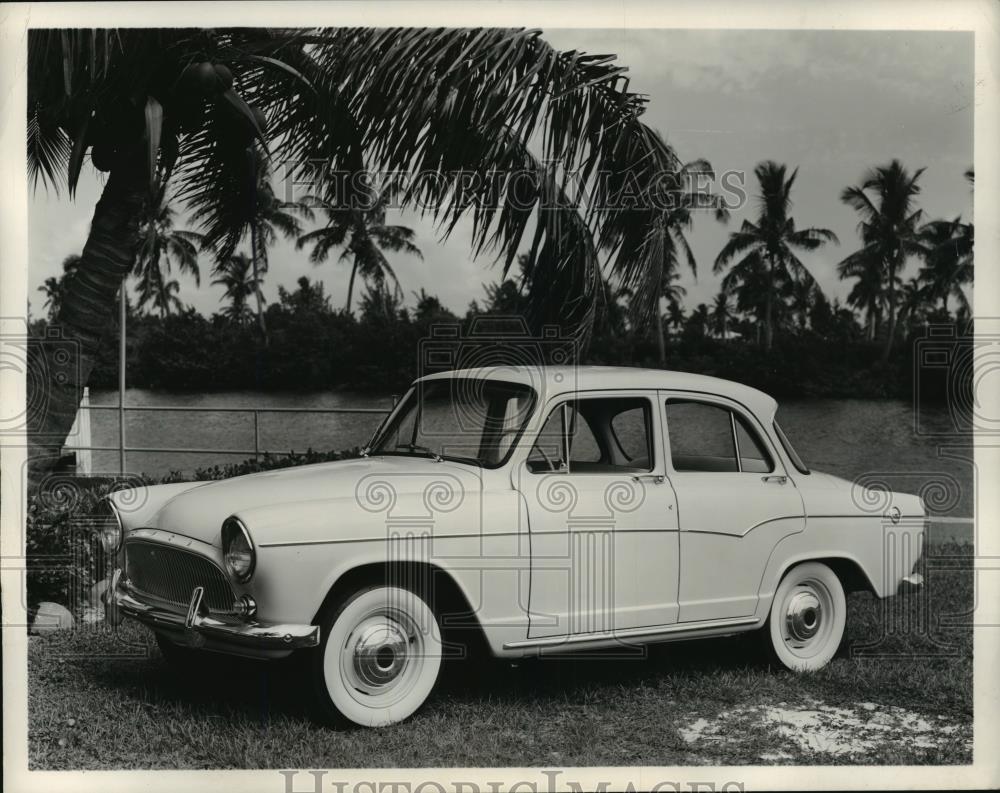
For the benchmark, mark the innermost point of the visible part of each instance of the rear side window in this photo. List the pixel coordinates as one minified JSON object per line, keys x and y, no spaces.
{"x":712,"y":438}
{"x":701,"y":437}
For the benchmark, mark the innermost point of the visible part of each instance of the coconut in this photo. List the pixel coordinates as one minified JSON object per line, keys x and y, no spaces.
{"x":200,"y":79}
{"x":103,"y":156}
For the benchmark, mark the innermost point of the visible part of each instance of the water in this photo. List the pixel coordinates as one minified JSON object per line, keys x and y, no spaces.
{"x":279,"y":432}
{"x":879,"y":440}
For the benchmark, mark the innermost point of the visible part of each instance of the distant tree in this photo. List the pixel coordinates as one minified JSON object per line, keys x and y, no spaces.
{"x":162,"y":247}
{"x":675,"y":315}
{"x":948,"y":259}
{"x":698,"y":323}
{"x":802,"y":297}
{"x":165,"y":299}
{"x":246,"y":202}
{"x":381,"y":305}
{"x":768,"y":262}
{"x":53,"y":287}
{"x":236,"y":275}
{"x":722,"y":315}
{"x":310,"y":297}
{"x":820,"y":314}
{"x":674,"y":294}
{"x":668,"y":246}
{"x":363,"y":234}
{"x":867,"y":294}
{"x":889,"y":231}
{"x":430,"y":309}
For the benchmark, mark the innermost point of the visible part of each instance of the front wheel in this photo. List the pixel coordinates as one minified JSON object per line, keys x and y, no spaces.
{"x":807,"y":617}
{"x":378,"y":659}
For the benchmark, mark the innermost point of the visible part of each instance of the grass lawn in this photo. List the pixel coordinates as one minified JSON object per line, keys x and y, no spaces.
{"x":909,"y":701}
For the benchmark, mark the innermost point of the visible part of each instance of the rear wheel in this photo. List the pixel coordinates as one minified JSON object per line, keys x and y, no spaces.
{"x":378,"y":658}
{"x":806,"y":622}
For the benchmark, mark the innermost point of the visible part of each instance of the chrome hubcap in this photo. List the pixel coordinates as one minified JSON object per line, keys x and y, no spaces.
{"x":376,"y":654}
{"x":803,"y":616}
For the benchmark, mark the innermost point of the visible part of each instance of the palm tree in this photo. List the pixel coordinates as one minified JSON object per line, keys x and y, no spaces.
{"x":252,"y":205}
{"x":364,"y":235}
{"x":675,"y":315}
{"x":54,"y":288}
{"x":722,"y":315}
{"x":170,"y":105}
{"x":669,"y":244}
{"x":165,"y":297}
{"x":867,"y":294}
{"x":889,"y":229}
{"x":161,"y":247}
{"x":948,"y":258}
{"x":699,"y":320}
{"x":948,"y":261}
{"x":236,"y":275}
{"x":768,"y":261}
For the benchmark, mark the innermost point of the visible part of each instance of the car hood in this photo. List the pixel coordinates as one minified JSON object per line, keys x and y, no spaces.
{"x":197,"y":509}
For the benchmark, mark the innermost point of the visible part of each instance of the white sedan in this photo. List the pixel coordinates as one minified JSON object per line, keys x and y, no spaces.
{"x":546,"y":509}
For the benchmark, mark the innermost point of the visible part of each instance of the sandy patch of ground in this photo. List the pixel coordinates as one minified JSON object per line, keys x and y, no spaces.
{"x":817,"y":728}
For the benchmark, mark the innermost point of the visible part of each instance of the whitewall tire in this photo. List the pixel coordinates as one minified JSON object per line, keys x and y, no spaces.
{"x":378,"y":659}
{"x":807,"y":617}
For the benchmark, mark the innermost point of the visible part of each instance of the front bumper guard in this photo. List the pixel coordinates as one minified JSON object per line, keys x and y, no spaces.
{"x":199,"y":625}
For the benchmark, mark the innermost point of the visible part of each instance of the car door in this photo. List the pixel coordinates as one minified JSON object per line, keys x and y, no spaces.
{"x":734,"y":501}
{"x":602,"y":518}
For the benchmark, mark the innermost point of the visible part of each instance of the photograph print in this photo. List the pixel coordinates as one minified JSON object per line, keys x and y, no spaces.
{"x":475,"y":397}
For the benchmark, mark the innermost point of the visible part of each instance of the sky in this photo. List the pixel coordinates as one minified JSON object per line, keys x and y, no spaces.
{"x":830,"y":103}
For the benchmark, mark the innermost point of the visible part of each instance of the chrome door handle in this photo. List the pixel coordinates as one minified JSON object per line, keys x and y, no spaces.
{"x":777,"y":479}
{"x":656,"y":479}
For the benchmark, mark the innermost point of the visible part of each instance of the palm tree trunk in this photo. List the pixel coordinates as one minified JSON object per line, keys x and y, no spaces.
{"x":660,"y":345}
{"x":890,"y":336}
{"x":768,"y":330}
{"x":768,"y":309}
{"x":350,"y":285}
{"x":254,"y":248}
{"x":55,"y":382}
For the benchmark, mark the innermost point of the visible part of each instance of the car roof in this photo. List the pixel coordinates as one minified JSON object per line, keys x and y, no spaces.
{"x":551,"y":381}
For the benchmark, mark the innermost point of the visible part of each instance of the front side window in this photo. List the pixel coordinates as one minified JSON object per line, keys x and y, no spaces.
{"x":474,"y":421}
{"x":712,"y":438}
{"x":598,"y":435}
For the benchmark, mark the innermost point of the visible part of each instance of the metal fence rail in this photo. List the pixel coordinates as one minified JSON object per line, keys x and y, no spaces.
{"x":256,"y":412}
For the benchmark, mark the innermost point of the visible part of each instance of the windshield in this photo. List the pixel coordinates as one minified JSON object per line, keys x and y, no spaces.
{"x":474,"y":421}
{"x":790,"y":450}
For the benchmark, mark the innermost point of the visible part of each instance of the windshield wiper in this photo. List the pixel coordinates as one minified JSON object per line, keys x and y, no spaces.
{"x":416,"y":447}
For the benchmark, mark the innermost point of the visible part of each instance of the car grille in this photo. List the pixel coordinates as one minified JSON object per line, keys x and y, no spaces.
{"x":171,"y":574}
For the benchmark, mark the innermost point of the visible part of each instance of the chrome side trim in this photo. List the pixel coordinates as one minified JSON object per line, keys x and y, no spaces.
{"x":631,"y":633}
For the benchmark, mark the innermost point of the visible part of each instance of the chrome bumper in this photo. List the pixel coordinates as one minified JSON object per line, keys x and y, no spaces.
{"x":199,"y":627}
{"x":910,"y":584}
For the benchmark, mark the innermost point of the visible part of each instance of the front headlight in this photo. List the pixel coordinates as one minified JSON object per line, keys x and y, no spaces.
{"x":237,"y":549}
{"x":111,"y":530}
